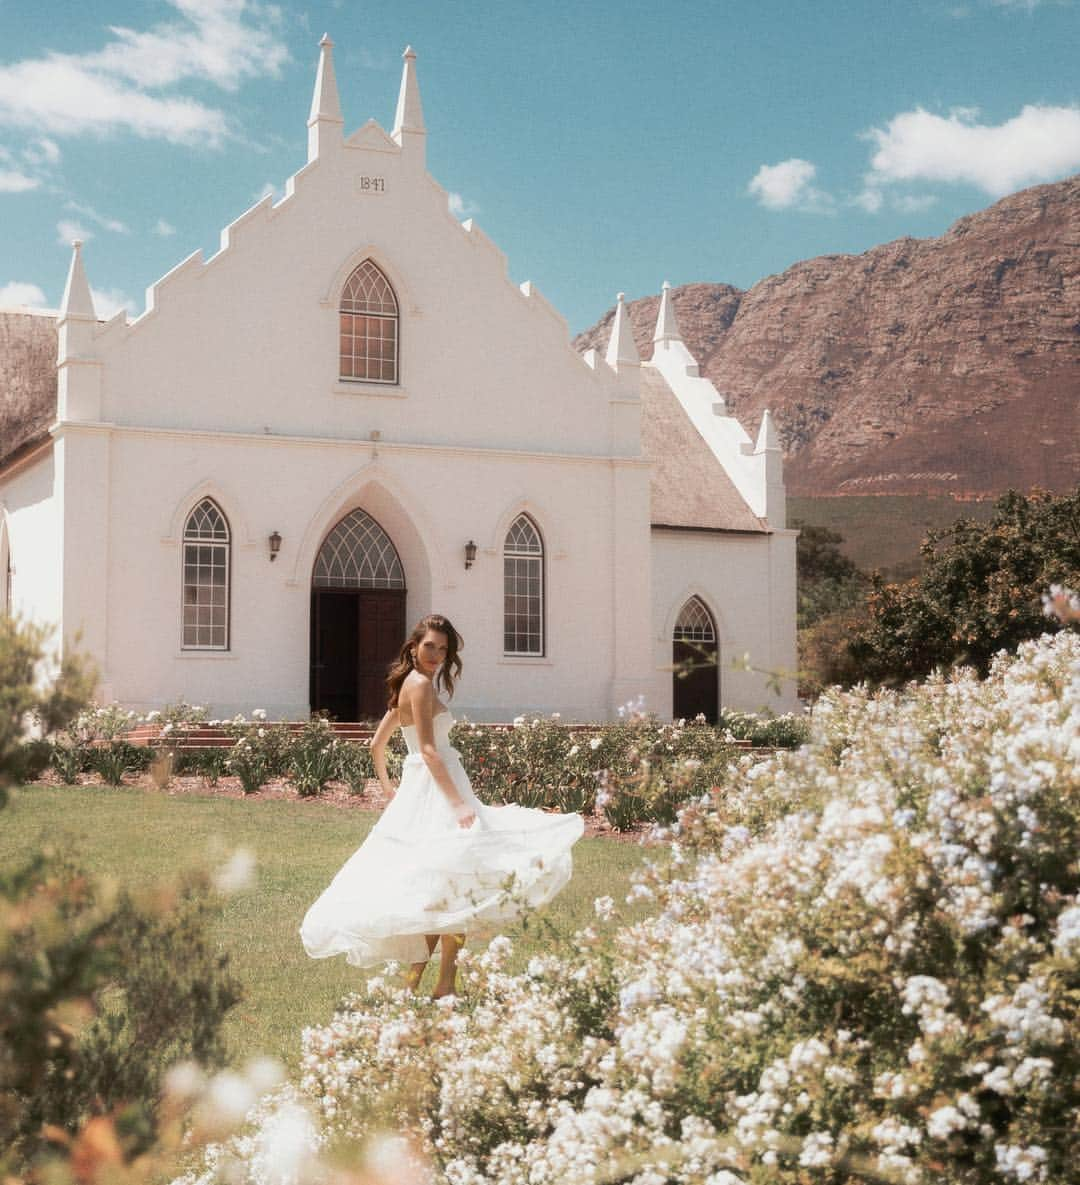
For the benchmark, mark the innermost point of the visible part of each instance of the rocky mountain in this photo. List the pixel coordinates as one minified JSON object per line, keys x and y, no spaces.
{"x":942,"y":366}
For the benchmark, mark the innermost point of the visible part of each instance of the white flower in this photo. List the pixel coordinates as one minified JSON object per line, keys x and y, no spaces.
{"x":259,"y":714}
{"x":604,"y":907}
{"x":595,"y":742}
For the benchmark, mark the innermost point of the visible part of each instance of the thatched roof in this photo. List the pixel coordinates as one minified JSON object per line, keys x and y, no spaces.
{"x":27,"y":379}
{"x":689,"y":486}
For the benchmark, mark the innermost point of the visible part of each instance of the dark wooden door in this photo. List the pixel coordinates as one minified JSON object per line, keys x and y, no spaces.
{"x":355,"y":635}
{"x":382,"y":631}
{"x":696,"y":680}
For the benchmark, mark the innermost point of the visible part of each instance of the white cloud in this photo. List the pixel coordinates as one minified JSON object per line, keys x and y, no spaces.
{"x":1040,"y":144}
{"x":871,"y":199}
{"x":461,"y":207}
{"x":14,"y":181}
{"x":270,"y":190}
{"x":914,"y":203}
{"x":106,"y":223}
{"x":221,"y":42}
{"x":42,"y":151}
{"x":109,"y":301}
{"x":164,"y":229}
{"x":17,"y":292}
{"x":67,"y":230}
{"x":789,"y":185}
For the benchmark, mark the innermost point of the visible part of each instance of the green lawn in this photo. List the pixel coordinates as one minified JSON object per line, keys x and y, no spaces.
{"x":138,"y":837}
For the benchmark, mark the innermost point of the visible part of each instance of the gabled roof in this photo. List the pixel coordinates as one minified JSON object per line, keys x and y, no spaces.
{"x":27,"y":379}
{"x":689,"y":487}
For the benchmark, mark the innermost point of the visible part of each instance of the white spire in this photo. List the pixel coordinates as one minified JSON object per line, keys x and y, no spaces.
{"x":667,"y":328}
{"x":77,"y":300}
{"x":622,"y":349}
{"x":768,"y":439}
{"x":325,"y":119}
{"x":410,"y":115}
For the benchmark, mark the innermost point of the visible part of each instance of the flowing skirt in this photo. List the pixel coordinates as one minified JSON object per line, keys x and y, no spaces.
{"x":419,"y":873}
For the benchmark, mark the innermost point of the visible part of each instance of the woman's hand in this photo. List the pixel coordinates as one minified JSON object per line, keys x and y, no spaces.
{"x":465,"y":814}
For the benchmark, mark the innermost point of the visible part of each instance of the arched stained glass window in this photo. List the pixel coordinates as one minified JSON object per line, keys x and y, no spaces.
{"x":523,"y":588}
{"x":206,"y":579}
{"x":369,"y":327}
{"x":695,"y":623}
{"x":358,"y":554}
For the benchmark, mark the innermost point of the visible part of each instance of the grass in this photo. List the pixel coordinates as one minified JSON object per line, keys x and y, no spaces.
{"x":885,"y":532}
{"x":139,"y":837}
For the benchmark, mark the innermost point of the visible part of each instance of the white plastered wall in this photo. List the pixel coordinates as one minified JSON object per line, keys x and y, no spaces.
{"x":748,"y":584}
{"x":430,"y":501}
{"x":30,"y":520}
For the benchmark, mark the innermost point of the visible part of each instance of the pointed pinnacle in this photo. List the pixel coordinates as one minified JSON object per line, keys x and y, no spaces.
{"x":77,"y":301}
{"x":667,"y":327}
{"x":622,"y":349}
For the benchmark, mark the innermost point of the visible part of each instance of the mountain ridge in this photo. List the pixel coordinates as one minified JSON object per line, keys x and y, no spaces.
{"x":948,"y":365}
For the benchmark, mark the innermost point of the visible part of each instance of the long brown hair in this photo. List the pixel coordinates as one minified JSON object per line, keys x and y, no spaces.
{"x":403,"y":664}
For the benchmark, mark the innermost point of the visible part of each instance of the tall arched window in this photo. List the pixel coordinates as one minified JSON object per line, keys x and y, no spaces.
{"x":369,"y":327}
{"x":523,"y":588}
{"x":206,"y":579}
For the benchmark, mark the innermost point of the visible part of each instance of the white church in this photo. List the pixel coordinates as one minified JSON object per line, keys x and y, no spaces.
{"x":348,"y":417}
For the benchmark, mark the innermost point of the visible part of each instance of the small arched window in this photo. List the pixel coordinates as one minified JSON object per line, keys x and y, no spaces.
{"x":523,"y":588}
{"x":206,"y":579}
{"x":369,"y":327}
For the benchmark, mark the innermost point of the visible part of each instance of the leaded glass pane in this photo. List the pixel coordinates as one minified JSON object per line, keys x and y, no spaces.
{"x":695,"y":623}
{"x":369,"y":327}
{"x":207,"y":522}
{"x":358,"y":554}
{"x":206,"y":582}
{"x":523,"y":589}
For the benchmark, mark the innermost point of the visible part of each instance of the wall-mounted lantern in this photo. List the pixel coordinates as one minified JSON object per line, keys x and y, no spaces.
{"x":275,"y":545}
{"x":470,"y":554}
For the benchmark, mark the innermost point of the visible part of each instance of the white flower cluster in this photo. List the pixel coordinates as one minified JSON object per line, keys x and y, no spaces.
{"x":861,"y":963}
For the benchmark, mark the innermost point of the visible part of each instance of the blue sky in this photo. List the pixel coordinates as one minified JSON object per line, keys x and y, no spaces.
{"x":604,"y":146}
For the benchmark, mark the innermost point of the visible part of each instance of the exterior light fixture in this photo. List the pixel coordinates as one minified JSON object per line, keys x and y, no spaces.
{"x":275,"y":545}
{"x":470,"y":554}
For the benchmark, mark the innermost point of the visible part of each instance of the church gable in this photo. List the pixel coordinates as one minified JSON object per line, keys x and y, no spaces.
{"x":253,"y":339}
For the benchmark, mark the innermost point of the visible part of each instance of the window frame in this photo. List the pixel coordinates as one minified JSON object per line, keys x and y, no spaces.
{"x":223,"y":545}
{"x":382,"y":317}
{"x":530,"y":557}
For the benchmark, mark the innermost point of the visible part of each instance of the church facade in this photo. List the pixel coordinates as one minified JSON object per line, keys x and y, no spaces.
{"x":349,"y":416}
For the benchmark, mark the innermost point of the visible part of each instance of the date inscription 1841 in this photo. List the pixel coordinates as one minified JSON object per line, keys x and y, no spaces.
{"x":371,"y":184}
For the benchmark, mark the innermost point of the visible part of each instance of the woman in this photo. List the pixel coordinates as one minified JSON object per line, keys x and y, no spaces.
{"x":438,"y":862}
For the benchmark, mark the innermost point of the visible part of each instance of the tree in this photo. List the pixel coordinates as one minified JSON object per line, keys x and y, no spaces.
{"x":828,"y":581}
{"x":980,"y":591}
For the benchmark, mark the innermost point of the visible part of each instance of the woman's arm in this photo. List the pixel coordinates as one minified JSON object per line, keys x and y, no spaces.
{"x":422,"y":701}
{"x":378,"y":750}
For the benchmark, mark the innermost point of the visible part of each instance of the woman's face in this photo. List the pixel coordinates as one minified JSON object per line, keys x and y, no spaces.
{"x":431,"y":652}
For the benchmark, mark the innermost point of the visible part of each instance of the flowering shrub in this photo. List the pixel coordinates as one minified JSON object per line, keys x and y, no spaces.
{"x":863,"y":963}
{"x":313,"y":758}
{"x":635,"y":770}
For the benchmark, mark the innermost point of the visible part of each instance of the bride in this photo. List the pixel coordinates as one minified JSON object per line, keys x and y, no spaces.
{"x":438,"y":862}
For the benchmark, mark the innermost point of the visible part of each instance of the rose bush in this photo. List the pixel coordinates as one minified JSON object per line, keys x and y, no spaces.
{"x":862,"y":963}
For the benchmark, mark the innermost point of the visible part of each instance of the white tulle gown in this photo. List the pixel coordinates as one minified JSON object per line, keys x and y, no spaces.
{"x":419,"y":873}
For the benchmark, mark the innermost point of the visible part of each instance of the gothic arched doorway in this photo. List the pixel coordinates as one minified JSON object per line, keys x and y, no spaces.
{"x":357,"y":618}
{"x":695,"y":658}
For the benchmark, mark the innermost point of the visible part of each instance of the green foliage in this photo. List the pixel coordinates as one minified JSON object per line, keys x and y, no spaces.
{"x":313,"y":758}
{"x":979,"y":591}
{"x":24,"y":700}
{"x":828,"y":582}
{"x":102,"y":993}
{"x":354,"y":765}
